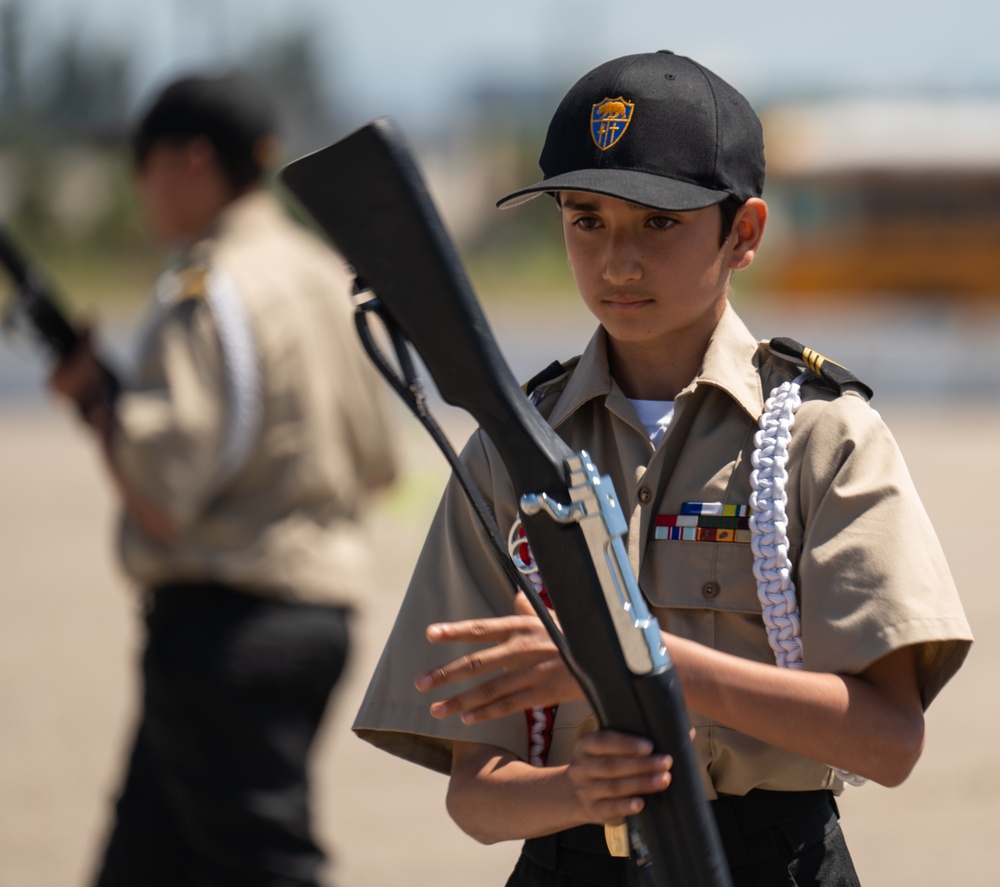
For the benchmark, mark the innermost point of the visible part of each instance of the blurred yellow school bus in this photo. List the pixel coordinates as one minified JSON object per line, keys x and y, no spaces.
{"x":883,"y":196}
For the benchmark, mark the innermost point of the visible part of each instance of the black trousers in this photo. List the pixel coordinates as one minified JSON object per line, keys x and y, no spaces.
{"x":216,"y":793}
{"x":771,"y":839}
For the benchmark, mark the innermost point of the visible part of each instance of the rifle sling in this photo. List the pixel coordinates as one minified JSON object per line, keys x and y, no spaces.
{"x":408,"y":387}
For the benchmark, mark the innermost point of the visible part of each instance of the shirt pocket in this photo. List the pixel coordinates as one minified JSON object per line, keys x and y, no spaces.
{"x":701,"y":575}
{"x":707,"y":592}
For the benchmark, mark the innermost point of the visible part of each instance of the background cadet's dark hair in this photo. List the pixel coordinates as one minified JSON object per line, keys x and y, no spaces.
{"x":229,"y":110}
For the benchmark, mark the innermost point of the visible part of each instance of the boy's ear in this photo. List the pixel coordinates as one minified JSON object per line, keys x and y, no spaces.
{"x":747,"y":231}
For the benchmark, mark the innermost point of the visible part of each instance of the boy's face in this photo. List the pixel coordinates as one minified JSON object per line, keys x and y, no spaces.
{"x":161,"y":181}
{"x":177,"y":187}
{"x":647,"y":275}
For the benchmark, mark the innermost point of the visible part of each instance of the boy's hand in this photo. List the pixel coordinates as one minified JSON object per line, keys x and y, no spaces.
{"x":80,"y":375}
{"x":610,"y":771}
{"x":531,"y":672}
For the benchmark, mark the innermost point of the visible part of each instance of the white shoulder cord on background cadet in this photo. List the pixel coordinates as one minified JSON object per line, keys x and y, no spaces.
{"x":239,"y":355}
{"x":772,"y":567}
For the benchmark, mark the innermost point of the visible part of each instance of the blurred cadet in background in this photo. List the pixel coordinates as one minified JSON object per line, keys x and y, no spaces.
{"x":244,"y":443}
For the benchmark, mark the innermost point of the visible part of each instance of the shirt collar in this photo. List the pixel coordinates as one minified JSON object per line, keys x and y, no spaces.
{"x":730,"y":364}
{"x":591,"y":378}
{"x":255,"y":208}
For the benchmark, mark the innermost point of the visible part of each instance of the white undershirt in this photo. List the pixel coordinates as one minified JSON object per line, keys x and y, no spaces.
{"x":655,"y":416}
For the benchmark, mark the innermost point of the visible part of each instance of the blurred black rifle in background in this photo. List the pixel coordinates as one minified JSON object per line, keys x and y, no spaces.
{"x":34,"y":306}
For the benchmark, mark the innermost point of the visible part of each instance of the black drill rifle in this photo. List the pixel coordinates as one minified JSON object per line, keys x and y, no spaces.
{"x":366,"y":194}
{"x":35,"y":302}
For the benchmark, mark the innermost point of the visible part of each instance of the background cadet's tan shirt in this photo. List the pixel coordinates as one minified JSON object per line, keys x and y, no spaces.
{"x":869,"y":571}
{"x":254,"y":417}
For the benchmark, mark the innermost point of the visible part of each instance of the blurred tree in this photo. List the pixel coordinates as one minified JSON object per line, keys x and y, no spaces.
{"x":288,"y":66}
{"x":65,"y":173}
{"x":11,"y":61}
{"x":64,"y":165}
{"x":85,"y":90}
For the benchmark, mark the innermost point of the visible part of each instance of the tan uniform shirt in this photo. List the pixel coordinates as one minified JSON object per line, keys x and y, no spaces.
{"x":869,"y":571}
{"x":253,"y":416}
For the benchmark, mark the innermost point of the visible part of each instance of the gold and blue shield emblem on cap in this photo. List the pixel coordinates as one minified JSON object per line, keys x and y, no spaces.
{"x":609,"y":119}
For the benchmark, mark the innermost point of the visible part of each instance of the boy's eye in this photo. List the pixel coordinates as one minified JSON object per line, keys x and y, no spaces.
{"x":661,"y":222}
{"x":586,"y":222}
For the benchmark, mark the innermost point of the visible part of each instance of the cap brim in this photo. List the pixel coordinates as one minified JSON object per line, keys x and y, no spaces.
{"x":645,"y":189}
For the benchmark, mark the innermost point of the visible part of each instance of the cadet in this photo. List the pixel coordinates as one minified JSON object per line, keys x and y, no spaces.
{"x":245,"y":443}
{"x":804,"y":597}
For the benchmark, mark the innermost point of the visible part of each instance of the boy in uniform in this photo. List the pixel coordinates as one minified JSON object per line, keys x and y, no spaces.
{"x":803,"y":595}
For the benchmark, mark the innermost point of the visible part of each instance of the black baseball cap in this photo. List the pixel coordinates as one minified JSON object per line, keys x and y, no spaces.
{"x":655,"y":129}
{"x":229,"y":109}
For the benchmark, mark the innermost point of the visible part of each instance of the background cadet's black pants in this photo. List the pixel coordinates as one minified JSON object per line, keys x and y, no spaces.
{"x":216,"y":792}
{"x":771,"y":839}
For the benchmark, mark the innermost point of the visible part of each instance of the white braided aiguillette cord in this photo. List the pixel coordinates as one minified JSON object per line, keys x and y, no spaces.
{"x":769,"y":525}
{"x":772,"y":567}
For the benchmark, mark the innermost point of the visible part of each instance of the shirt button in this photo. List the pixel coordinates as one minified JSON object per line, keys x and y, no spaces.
{"x":645,"y":495}
{"x":710,"y":590}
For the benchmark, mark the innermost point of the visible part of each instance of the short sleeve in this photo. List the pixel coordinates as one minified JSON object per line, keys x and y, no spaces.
{"x":871,"y":573}
{"x":458,"y":576}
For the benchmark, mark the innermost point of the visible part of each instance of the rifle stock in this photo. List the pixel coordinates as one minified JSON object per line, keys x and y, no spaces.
{"x":366,"y":194}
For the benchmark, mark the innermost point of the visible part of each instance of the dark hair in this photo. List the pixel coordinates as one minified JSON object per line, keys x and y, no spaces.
{"x":228,"y":110}
{"x":729,"y":207}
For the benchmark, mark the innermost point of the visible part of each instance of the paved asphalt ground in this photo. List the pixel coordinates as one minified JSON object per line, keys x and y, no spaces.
{"x":68,"y":643}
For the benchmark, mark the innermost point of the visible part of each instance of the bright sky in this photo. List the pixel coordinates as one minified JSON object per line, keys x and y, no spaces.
{"x":411,"y":57}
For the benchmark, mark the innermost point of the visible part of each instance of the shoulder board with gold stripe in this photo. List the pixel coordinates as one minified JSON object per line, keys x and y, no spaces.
{"x":192,"y":282}
{"x":831,"y":372}
{"x":553,"y":371}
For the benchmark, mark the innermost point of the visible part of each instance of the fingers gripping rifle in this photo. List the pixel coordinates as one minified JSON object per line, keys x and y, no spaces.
{"x":366,"y":193}
{"x":34,"y":303}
